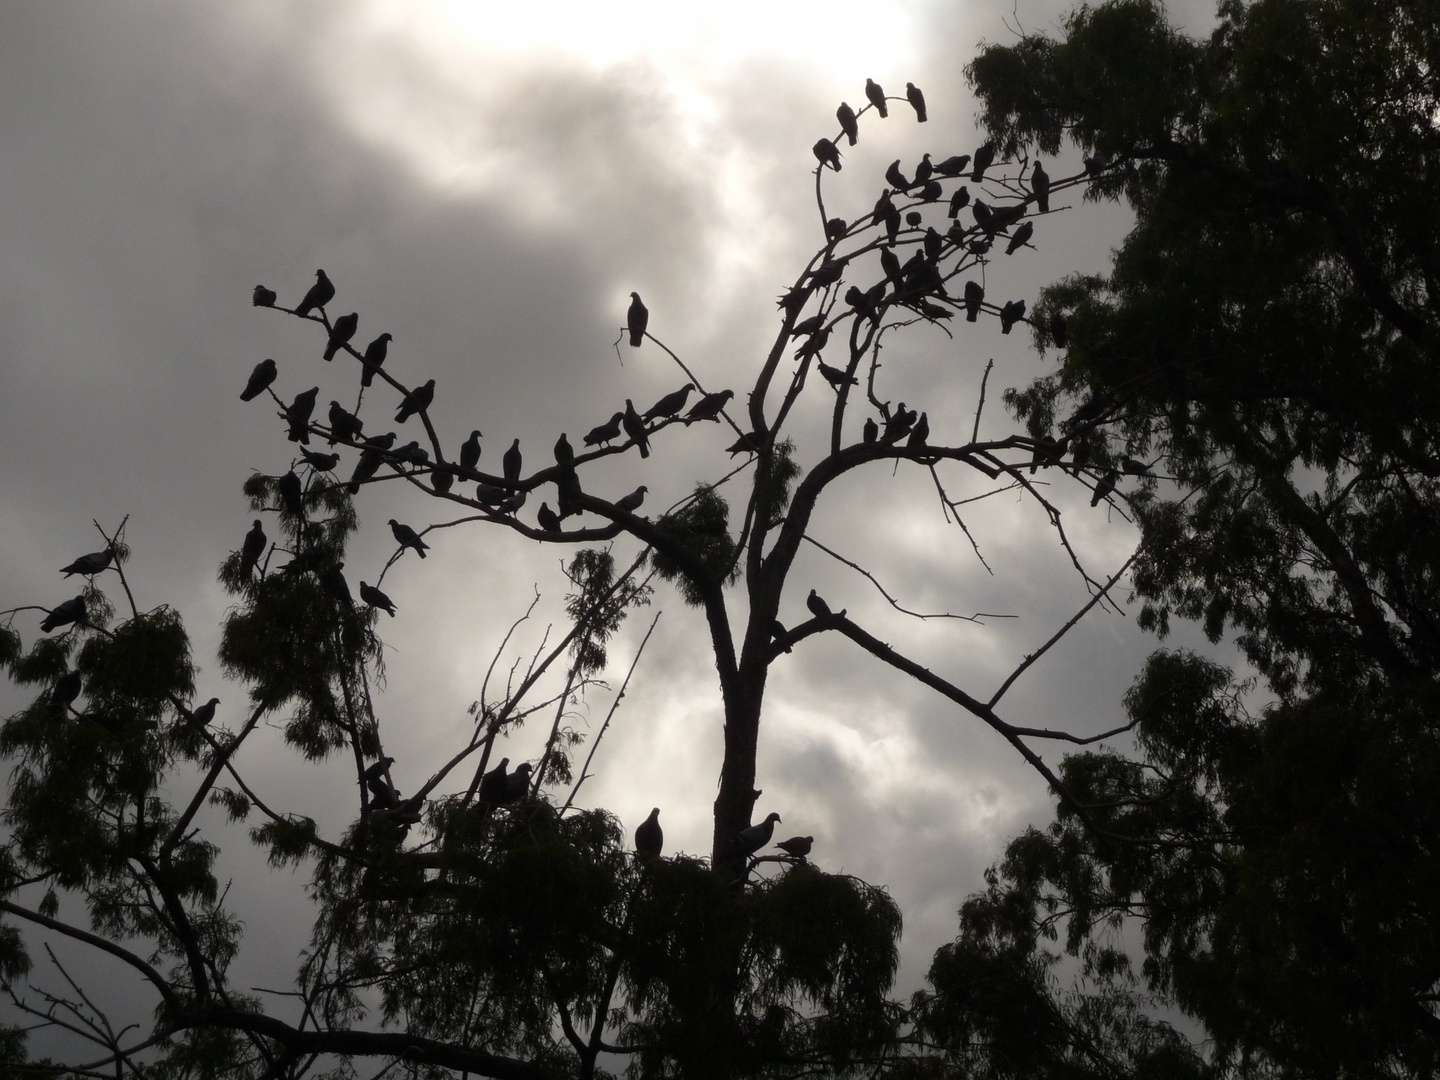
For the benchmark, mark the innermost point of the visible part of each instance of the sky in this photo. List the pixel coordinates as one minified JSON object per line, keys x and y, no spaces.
{"x":488,"y":183}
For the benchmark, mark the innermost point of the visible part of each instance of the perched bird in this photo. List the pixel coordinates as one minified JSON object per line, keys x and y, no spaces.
{"x":923,"y":169}
{"x":1040,"y":187}
{"x":1095,"y":165}
{"x":846,"y":115}
{"x":649,"y":837}
{"x":340,"y":333}
{"x":605,"y":432}
{"x":343,"y":424}
{"x":369,"y":464}
{"x":828,"y":272}
{"x":834,"y":376}
{"x":827,"y":153}
{"x":934,"y":243}
{"x":510,"y":462}
{"x":871,"y":431}
{"x":333,"y":582}
{"x":1010,"y":314}
{"x":567,"y":488}
{"x":748,"y":443}
{"x":1048,"y":451}
{"x":412,"y":453}
{"x":935,"y":311}
{"x":377,"y":769}
{"x":494,"y":785}
{"x":914,"y":218}
{"x":416,"y":401}
{"x":974,"y":296}
{"x":899,"y":425}
{"x":892,"y":224}
{"x":816,"y":603}
{"x":1104,"y":487}
{"x":919,"y":433}
{"x":518,"y":783}
{"x":1020,"y":237}
{"x":263,"y":297}
{"x":636,"y":320}
{"x":375,"y":354}
{"x":320,"y":462}
{"x":441,"y":477}
{"x":1059,"y":331}
{"x":959,"y":201}
{"x":66,"y":689}
{"x":876,"y":97}
{"x":291,"y":493}
{"x":376,"y":599}
{"x":407,"y":537}
{"x":793,"y":298}
{"x":984,"y":158}
{"x":932,"y":191}
{"x":835,"y":229}
{"x":635,"y":428}
{"x":798,"y":846}
{"x":547,"y":518}
{"x":201,"y":715}
{"x":890,"y":263}
{"x":68,"y":612}
{"x":668,"y":405}
{"x":564,"y":452}
{"x":984,"y":216}
{"x":262,"y":376}
{"x":808,"y":326}
{"x":90,"y":565}
{"x":381,"y":442}
{"x":1134,"y":468}
{"x":895,"y":178}
{"x":953,"y":166}
{"x":756,"y":837}
{"x":252,"y":548}
{"x":709,"y":406}
{"x":298,"y":414}
{"x":630,"y":503}
{"x":916,"y":99}
{"x":513,"y":503}
{"x":490,"y":495}
{"x":320,"y":294}
{"x":470,"y":452}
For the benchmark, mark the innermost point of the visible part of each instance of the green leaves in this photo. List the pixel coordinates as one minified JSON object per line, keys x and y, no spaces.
{"x":701,"y":526}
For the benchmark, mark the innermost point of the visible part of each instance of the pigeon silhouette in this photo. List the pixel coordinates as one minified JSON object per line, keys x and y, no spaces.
{"x":298,"y":414}
{"x":709,"y":406}
{"x":70,"y":611}
{"x":291,"y":493}
{"x":66,"y":689}
{"x":343,"y":330}
{"x":333,"y":582}
{"x":252,"y":548}
{"x":630,"y":503}
{"x":375,"y":354}
{"x":635,"y":428}
{"x":407,"y":537}
{"x":1020,"y":237}
{"x":320,"y":294}
{"x":748,"y":841}
{"x":984,"y":158}
{"x":376,"y":599}
{"x":1040,"y":187}
{"x":263,"y":297}
{"x":797,"y":846}
{"x":974,"y":295}
{"x":91,"y":564}
{"x":917,"y":100}
{"x":369,"y":464}
{"x":470,"y":452}
{"x":827,"y":153}
{"x":958,"y":201}
{"x":1010,"y":314}
{"x":564,"y":452}
{"x":416,"y":401}
{"x":649,"y":837}
{"x":262,"y":376}
{"x":636,"y":320}
{"x":547,"y":518}
{"x":848,"y":124}
{"x":876,"y":97}
{"x":320,"y":462}
{"x":606,"y":431}
{"x":953,"y":166}
{"x":344,"y":425}
{"x":510,"y":462}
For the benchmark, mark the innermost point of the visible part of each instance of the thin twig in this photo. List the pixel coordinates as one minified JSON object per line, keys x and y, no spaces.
{"x":975,"y":433}
{"x":893,"y":602}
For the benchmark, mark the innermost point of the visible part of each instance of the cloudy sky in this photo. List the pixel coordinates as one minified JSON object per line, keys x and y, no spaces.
{"x":488,"y":182}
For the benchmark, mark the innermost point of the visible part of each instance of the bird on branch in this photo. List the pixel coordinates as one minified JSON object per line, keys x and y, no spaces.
{"x":375,"y":354}
{"x":407,"y":537}
{"x":320,"y":294}
{"x":71,"y":611}
{"x":984,"y":158}
{"x":876,"y":97}
{"x":91,"y":564}
{"x":630,"y":503}
{"x":263,"y":297}
{"x":827,"y":153}
{"x":848,"y":124}
{"x":752,"y":839}
{"x":797,"y":846}
{"x":636,"y":320}
{"x":262,"y":376}
{"x":416,"y":401}
{"x":604,"y":433}
{"x":340,"y":333}
{"x":668,"y":405}
{"x":917,"y":101}
{"x":634,"y":427}
{"x":649,"y":837}
{"x":251,"y":549}
{"x":709,"y":407}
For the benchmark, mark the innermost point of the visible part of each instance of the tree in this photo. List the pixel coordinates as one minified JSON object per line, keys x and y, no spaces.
{"x":503,"y":932}
{"x":1267,"y":335}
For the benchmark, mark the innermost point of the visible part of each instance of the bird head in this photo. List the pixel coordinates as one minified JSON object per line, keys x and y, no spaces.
{"x":772,"y":816}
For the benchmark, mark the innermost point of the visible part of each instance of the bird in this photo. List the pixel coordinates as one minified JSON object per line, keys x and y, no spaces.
{"x":412,"y":453}
{"x":70,"y":611}
{"x":649,"y":837}
{"x":320,"y":294}
{"x":381,"y":442}
{"x":827,"y":153}
{"x":828,"y":271}
{"x":262,"y":376}
{"x":871,"y":431}
{"x":291,"y":493}
{"x":1048,"y":450}
{"x":441,"y":477}
{"x":816,"y":603}
{"x":984,"y":216}
{"x":636,"y":320}
{"x":958,"y":201}
{"x":564,"y":452}
{"x":899,"y":425}
{"x":709,"y":406}
{"x":876,"y":97}
{"x":916,"y":99}
{"x":895,"y":178}
{"x":201,"y":715}
{"x":835,"y":229}
{"x":298,"y":414}
{"x":1059,"y":331}
{"x":91,"y":564}
{"x":890,"y":262}
{"x":547,"y":518}
{"x":369,"y":464}
{"x":984,"y":158}
{"x":630,"y":503}
{"x":1040,"y":187}
{"x":846,"y":115}
{"x":263,"y":297}
{"x":932,"y":191}
{"x":835,"y":377}
{"x":340,"y":333}
{"x":797,"y":846}
{"x":1134,"y":468}
{"x":494,"y":785}
{"x":567,"y":488}
{"x":668,"y":405}
{"x":416,"y":400}
{"x":808,"y":326}
{"x":252,"y":548}
{"x":407,"y":537}
{"x":470,"y":452}
{"x":814,"y":343}
{"x":1010,"y":314}
{"x":376,"y":599}
{"x":320,"y":462}
{"x":974,"y":295}
{"x":605,"y":432}
{"x":490,"y":495}
{"x":919,"y":433}
{"x":923,"y":169}
{"x":953,"y":166}
{"x":1020,"y":237}
{"x":748,"y":443}
{"x":935,"y":311}
{"x":518,"y":782}
{"x":375,"y":354}
{"x":635,"y":428}
{"x":934,"y":243}
{"x":377,"y":769}
{"x":343,"y":424}
{"x":333,"y":582}
{"x":1104,"y":487}
{"x":66,"y":689}
{"x":748,"y":841}
{"x":510,"y":462}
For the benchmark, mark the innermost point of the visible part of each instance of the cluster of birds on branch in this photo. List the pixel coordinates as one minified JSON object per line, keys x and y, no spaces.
{"x":650,"y":839}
